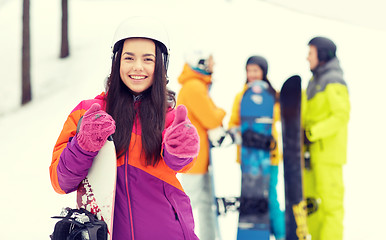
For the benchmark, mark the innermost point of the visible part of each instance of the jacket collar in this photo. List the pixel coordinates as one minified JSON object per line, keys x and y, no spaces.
{"x":188,"y":74}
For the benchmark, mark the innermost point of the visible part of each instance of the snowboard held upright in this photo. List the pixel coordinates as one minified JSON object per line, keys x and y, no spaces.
{"x":96,"y":193}
{"x":256,"y":114}
{"x":216,"y":206}
{"x":296,"y":209}
{"x":93,"y":220}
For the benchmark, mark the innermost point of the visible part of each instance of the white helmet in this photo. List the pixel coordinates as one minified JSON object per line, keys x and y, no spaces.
{"x":143,"y":27}
{"x":198,"y":59}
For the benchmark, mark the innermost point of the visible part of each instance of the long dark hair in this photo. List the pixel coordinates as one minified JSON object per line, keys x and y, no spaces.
{"x":271,"y":89}
{"x":151,"y":108}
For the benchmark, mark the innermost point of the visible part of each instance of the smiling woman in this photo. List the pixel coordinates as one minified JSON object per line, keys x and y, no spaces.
{"x":137,"y":64}
{"x":149,"y":201}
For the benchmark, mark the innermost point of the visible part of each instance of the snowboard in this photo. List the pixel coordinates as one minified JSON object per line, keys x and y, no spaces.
{"x":295,"y":204}
{"x":256,"y":114}
{"x":96,"y":193}
{"x":215,"y":205}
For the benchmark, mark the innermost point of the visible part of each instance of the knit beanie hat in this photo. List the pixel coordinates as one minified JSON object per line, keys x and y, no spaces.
{"x":261,"y":62}
{"x":326,"y":48}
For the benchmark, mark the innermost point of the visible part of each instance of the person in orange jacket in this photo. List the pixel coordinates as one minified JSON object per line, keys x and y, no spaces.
{"x":196,"y":79}
{"x":257,"y":69}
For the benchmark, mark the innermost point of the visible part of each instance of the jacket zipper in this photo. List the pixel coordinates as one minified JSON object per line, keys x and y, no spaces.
{"x":128,"y":196}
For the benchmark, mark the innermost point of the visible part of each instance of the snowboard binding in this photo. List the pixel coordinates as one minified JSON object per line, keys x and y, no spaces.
{"x":255,"y":140}
{"x":225,"y":204}
{"x":312,"y":205}
{"x":79,"y":224}
{"x":253,"y":206}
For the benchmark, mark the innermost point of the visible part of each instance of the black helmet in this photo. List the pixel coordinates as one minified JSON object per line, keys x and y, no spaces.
{"x":326,"y":48}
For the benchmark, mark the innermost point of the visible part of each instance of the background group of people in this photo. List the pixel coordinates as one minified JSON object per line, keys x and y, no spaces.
{"x":157,"y":136}
{"x":325,"y":115}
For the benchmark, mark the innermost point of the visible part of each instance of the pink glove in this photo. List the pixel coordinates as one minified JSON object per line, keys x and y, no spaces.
{"x":95,"y":128}
{"x":181,"y":138}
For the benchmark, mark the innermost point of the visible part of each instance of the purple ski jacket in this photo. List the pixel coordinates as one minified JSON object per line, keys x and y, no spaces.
{"x":150,"y":202}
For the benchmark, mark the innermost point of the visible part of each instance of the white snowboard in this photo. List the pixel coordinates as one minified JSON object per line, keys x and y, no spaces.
{"x":96,"y":193}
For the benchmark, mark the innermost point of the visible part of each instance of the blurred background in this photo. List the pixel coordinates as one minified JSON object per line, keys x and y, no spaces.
{"x":232,"y":30}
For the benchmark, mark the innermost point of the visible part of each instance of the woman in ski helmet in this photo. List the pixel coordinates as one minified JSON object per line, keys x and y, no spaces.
{"x":257,"y":70}
{"x":153,"y":139}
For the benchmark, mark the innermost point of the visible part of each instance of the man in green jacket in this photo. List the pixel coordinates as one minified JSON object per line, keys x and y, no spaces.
{"x":325,"y":116}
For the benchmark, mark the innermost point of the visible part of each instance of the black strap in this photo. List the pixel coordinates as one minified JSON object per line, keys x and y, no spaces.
{"x":253,"y":206}
{"x":256,"y":140}
{"x":79,"y":221}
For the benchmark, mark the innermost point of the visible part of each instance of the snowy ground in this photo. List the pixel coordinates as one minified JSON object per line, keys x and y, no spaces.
{"x":233,"y":30}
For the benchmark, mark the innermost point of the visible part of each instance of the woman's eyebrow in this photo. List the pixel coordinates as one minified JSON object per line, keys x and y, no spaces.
{"x":144,"y":55}
{"x":148,"y":55}
{"x":129,"y":53}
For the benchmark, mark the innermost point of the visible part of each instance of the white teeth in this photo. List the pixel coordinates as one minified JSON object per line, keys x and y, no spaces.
{"x":137,"y":77}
